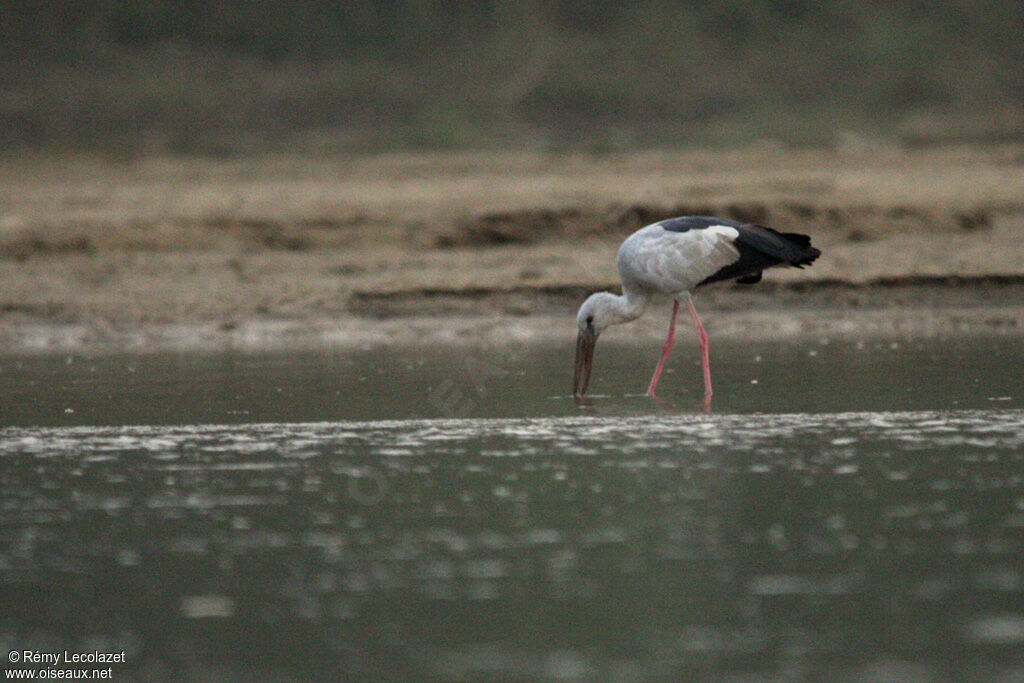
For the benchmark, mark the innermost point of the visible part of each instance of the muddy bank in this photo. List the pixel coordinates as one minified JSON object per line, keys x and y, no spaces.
{"x":813,"y":311}
{"x":279,"y":252}
{"x":852,"y":222}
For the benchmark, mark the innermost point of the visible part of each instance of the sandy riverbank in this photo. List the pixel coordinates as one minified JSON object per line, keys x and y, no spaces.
{"x":299,"y":253}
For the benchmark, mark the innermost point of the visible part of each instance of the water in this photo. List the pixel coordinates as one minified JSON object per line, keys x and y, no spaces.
{"x":819,"y":376}
{"x":845,"y":511}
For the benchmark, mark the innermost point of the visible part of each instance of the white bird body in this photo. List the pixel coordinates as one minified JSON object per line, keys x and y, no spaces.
{"x":673,"y":257}
{"x":673,"y":263}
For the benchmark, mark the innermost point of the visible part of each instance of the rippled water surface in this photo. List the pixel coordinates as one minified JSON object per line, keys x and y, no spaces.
{"x":844,"y":510}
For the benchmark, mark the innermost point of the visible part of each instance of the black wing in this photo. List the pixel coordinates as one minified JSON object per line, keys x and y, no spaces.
{"x":759,"y":247}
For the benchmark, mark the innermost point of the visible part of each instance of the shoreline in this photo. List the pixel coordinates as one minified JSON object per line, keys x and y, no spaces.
{"x":291,"y":252}
{"x":790,"y":311}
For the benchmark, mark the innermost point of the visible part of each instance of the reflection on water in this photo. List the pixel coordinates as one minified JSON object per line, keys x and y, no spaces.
{"x":412,"y":383}
{"x":846,"y":511}
{"x":877,"y":546}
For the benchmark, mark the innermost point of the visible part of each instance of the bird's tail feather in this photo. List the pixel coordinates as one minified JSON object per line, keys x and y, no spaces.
{"x":804,"y":242}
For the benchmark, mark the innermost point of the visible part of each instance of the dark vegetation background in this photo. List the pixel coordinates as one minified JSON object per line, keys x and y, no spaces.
{"x":228,"y":78}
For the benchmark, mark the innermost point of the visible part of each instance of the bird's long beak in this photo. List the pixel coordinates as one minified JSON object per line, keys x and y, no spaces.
{"x":585,"y":343}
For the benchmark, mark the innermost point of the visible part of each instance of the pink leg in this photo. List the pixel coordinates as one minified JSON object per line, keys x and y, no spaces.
{"x":702,"y":339}
{"x":666,"y":348}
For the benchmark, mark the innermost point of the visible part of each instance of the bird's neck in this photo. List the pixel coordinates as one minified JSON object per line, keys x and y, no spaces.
{"x":632,"y":304}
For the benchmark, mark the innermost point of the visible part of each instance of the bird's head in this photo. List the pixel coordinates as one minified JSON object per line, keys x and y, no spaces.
{"x":596,"y":314}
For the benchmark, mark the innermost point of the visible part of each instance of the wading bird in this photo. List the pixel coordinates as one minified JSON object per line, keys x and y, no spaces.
{"x":674,"y":257}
